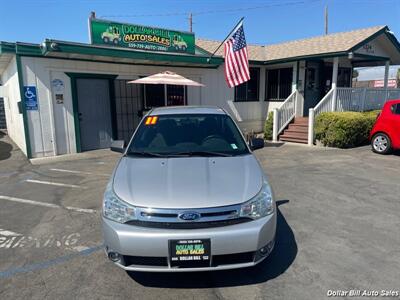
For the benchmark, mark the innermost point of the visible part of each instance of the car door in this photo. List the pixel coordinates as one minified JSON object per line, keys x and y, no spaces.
{"x":395,"y":125}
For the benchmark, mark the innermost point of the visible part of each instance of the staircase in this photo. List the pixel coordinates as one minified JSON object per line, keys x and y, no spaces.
{"x":297,"y":132}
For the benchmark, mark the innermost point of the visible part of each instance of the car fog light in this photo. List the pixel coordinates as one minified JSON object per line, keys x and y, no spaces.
{"x":114,"y":256}
{"x":267,"y":249}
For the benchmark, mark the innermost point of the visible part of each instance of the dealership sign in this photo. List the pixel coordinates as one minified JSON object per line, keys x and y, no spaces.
{"x":140,"y":37}
{"x":392,"y":83}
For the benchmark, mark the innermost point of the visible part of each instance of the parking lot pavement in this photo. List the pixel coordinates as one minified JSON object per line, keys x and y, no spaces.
{"x":337,"y":230}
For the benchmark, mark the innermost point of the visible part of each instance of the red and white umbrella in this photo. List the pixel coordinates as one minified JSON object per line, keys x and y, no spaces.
{"x":166,"y":77}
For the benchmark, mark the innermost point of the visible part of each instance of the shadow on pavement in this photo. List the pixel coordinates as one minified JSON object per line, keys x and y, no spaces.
{"x":277,"y":263}
{"x":5,"y":149}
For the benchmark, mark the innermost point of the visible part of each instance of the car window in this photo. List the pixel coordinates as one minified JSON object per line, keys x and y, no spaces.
{"x":185,"y":134}
{"x":396,"y":109}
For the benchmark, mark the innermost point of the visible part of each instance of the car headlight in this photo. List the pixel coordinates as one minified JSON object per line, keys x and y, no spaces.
{"x":259,"y":206}
{"x":115,"y":209}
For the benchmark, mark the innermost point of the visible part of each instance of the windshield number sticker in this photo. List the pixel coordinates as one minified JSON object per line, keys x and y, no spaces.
{"x":234,"y":146}
{"x":151,"y":120}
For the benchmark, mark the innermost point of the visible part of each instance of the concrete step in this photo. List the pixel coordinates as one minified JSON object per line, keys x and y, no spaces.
{"x":295,"y":135}
{"x":300,"y":121}
{"x":293,"y":140}
{"x":297,"y":128}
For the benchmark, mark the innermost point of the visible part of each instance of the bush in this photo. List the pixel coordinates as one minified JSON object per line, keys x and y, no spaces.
{"x":269,"y":124}
{"x":344,"y":129}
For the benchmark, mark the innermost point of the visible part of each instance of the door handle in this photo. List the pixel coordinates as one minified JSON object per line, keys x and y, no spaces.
{"x":80,"y":116}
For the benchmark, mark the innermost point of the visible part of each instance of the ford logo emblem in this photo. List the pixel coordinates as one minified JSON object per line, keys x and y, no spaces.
{"x":189,"y":216}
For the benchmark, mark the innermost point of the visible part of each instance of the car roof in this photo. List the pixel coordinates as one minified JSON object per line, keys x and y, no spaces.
{"x":169,"y":110}
{"x":393,"y":101}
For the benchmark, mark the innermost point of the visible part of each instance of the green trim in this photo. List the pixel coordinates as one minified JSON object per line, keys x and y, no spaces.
{"x":307,"y":57}
{"x":130,"y":63}
{"x":371,"y":57}
{"x":85,"y":49}
{"x":20,"y":48}
{"x":113,"y":108}
{"x":75,"y":106}
{"x":24,"y":113}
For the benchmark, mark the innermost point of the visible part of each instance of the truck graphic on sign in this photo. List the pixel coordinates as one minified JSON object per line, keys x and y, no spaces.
{"x":111,"y":35}
{"x":179,"y":43}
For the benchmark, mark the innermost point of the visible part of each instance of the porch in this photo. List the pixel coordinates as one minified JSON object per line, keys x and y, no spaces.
{"x":294,"y":118}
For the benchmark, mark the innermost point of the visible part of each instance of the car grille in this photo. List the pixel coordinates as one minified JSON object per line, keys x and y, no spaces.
{"x":217,"y":260}
{"x":175,"y":218}
{"x":145,"y":261}
{"x":188,"y":225}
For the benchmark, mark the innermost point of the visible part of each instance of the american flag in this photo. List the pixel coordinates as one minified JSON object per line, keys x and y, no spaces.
{"x":236,"y":61}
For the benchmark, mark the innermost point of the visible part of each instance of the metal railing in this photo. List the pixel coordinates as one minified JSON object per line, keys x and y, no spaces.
{"x":284,"y":114}
{"x":364,"y":99}
{"x":350,"y":99}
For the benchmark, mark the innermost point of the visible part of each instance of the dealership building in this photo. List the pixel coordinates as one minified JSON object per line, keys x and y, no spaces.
{"x":64,"y":97}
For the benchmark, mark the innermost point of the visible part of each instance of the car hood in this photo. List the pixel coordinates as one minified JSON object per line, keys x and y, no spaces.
{"x":187,"y":182}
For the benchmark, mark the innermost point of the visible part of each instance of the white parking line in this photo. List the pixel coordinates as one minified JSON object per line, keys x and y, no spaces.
{"x":55,"y":183}
{"x":4,"y":232}
{"x":79,"y":172}
{"x":51,"y":205}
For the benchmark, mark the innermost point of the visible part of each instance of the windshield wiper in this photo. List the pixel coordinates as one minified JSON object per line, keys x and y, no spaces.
{"x":202,"y":153}
{"x":145,"y":154}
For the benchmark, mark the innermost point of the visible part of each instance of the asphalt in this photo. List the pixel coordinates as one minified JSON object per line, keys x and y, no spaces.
{"x":338,"y":229}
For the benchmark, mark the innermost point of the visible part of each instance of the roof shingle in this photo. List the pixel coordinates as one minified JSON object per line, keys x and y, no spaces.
{"x":336,"y":42}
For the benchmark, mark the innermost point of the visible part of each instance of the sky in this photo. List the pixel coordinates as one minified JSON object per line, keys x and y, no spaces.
{"x":266,"y":22}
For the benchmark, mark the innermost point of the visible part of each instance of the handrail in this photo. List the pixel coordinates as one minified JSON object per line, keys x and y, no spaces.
{"x":287,"y":111}
{"x":327,"y":99}
{"x":287,"y":99}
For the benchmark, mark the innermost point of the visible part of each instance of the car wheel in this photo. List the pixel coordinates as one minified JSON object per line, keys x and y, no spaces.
{"x":106,"y":40}
{"x":115,"y":41}
{"x":381,"y":143}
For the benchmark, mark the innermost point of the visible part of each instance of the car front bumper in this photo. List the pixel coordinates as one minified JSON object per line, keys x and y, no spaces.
{"x":146,"y":249}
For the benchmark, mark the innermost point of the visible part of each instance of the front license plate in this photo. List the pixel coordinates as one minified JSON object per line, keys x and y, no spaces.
{"x":190,"y":253}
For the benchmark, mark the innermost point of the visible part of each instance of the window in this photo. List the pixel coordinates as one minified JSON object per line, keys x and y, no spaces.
{"x":188,"y":135}
{"x":154,"y":95}
{"x":396,"y":109}
{"x":157,"y":95}
{"x":249,"y":91}
{"x":278,"y":84}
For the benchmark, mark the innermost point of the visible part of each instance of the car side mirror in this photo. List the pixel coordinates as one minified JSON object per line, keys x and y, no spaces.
{"x":256,"y":143}
{"x":118,"y":146}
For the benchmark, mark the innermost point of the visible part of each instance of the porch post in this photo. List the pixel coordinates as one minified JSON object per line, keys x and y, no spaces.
{"x":275,"y":126}
{"x":334,"y":81}
{"x":386,"y":78}
{"x":294,"y":77}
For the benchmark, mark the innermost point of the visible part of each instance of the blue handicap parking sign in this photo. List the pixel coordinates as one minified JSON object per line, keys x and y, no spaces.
{"x":30,"y":98}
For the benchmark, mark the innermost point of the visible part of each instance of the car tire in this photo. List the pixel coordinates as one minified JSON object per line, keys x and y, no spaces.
{"x":106,"y":40}
{"x":381,"y":143}
{"x":115,"y":41}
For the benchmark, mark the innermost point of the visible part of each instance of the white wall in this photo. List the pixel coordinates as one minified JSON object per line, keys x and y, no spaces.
{"x":52,"y":129}
{"x":15,"y":123}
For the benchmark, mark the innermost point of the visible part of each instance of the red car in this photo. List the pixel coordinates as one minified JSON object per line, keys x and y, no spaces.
{"x":385,"y":135}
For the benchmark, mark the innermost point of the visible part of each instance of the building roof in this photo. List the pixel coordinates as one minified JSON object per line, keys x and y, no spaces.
{"x":325,"y":44}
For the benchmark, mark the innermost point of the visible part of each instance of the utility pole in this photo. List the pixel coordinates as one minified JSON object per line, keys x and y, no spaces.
{"x":191,"y":22}
{"x":326,"y":19}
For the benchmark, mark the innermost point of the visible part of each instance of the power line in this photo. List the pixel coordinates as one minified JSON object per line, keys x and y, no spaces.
{"x":207,"y":12}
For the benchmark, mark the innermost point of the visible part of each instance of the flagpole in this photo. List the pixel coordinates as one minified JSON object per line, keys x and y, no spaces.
{"x":241,"y":20}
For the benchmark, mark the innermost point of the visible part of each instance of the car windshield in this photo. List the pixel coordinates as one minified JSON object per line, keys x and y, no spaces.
{"x":187,"y":135}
